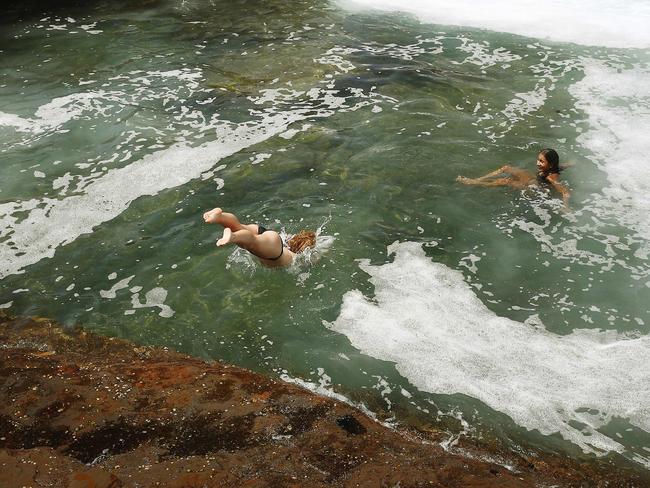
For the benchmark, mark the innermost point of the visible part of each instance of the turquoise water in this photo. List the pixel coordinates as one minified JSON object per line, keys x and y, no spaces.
{"x":492,"y":314}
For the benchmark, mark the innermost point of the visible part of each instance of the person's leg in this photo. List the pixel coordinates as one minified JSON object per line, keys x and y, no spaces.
{"x":266,"y":246}
{"x":472,"y":181}
{"x":218,"y":216}
{"x":520,"y":174}
{"x":494,"y":173}
{"x":479,"y":182}
{"x":243,"y":238}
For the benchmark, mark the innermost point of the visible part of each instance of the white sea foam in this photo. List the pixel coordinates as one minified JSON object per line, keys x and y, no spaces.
{"x":337,"y":56}
{"x":524,"y":104}
{"x":153,"y":298}
{"x":426,"y":319}
{"x":608,"y":23}
{"x":327,"y":391}
{"x":15,"y":121}
{"x":258,"y":158}
{"x":617,"y":104}
{"x":120,"y":285}
{"x":481,"y":55}
{"x":132,"y":89}
{"x":55,"y":113}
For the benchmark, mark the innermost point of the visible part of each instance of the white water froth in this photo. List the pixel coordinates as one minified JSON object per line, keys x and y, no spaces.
{"x":617,"y":104}
{"x":326,"y":391}
{"x":61,"y":110}
{"x":481,"y":55}
{"x":609,"y":23}
{"x":427,"y":320}
{"x":153,"y":298}
{"x":55,"y":113}
{"x":120,"y":285}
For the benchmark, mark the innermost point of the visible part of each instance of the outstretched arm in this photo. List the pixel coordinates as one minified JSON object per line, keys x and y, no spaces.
{"x":561,"y":189}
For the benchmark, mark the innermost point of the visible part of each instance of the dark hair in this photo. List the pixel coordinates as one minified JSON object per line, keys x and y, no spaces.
{"x":552,"y":159}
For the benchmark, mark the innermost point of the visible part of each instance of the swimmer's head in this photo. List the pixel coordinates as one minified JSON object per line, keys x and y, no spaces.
{"x":548,"y":161}
{"x":302,"y":240}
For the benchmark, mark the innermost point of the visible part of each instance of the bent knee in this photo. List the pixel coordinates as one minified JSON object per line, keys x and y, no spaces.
{"x":504,"y":181}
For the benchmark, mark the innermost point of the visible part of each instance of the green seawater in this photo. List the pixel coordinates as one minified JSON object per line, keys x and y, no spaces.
{"x":356,"y":123}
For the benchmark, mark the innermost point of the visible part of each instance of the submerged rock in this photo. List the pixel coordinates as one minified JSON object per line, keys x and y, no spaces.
{"x":78,"y":409}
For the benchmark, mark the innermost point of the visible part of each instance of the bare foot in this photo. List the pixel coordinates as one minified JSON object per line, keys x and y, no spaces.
{"x":211,"y":216}
{"x":462,"y":179}
{"x":227,"y":236}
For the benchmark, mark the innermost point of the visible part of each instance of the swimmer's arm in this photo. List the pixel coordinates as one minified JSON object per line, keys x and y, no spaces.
{"x":561,"y":189}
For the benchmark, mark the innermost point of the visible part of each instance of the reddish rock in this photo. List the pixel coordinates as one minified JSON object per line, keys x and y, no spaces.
{"x":81,"y":410}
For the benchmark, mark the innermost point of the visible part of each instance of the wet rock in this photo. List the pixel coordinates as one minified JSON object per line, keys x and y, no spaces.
{"x":351,"y":425}
{"x":77,"y":410}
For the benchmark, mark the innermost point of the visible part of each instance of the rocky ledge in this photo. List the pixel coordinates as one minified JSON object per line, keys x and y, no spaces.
{"x":81,"y":410}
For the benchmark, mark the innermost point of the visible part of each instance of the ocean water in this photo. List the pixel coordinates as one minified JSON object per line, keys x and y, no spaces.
{"x":488,"y":313}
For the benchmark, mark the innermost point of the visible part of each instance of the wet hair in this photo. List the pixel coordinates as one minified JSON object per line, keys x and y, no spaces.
{"x":553,"y":159}
{"x":301,"y":241}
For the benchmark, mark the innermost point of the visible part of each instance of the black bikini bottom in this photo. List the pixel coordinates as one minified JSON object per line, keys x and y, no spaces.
{"x":261,"y":230}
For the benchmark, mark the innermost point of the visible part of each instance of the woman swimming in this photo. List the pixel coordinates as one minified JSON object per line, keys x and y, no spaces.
{"x":267,"y":245}
{"x":548,"y":172}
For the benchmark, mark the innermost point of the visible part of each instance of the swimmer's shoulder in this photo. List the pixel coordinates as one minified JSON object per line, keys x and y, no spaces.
{"x":568,"y":165}
{"x":553,"y":177}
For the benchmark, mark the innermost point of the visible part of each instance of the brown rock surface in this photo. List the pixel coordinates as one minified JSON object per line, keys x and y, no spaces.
{"x":81,"y":410}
